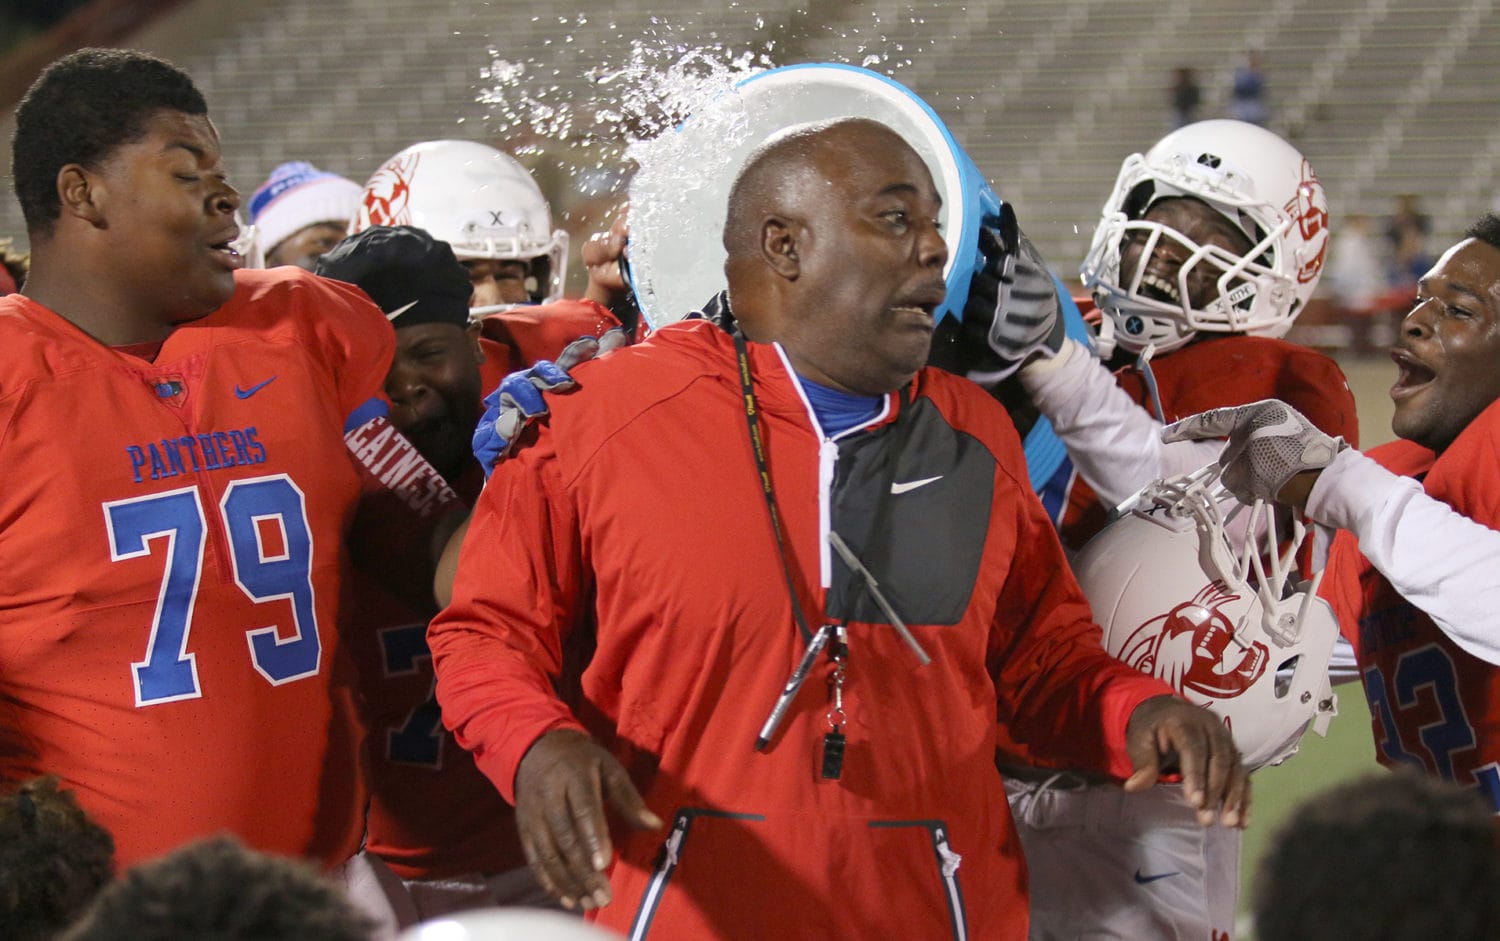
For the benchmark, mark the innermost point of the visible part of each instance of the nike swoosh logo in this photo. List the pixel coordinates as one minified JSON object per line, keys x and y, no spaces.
{"x":1288,"y":426}
{"x":400,"y":310}
{"x":898,"y":487}
{"x":1145,"y":879}
{"x":246,"y":393}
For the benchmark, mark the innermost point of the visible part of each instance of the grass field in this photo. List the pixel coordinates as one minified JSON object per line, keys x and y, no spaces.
{"x":1349,"y":749}
{"x":1347,"y":752}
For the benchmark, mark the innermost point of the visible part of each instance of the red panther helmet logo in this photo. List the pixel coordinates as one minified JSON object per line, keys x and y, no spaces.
{"x":387,"y":194}
{"x":1193,"y":648}
{"x":1310,"y":210}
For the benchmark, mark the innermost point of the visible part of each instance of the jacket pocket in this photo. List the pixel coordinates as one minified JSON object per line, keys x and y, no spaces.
{"x":667,"y":860}
{"x":945,"y":863}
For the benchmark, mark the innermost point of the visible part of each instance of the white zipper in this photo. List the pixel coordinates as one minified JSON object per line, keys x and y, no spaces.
{"x":828,"y":456}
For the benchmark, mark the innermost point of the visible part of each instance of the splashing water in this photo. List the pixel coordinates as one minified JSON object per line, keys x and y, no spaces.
{"x":590,"y":131}
{"x":593,"y":122}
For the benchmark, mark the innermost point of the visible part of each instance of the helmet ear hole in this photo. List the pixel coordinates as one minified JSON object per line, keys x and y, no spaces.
{"x":1139,"y":199}
{"x":538,"y":277}
{"x":1284,"y":675}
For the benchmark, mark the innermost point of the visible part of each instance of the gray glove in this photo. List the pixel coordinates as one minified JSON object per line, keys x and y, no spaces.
{"x":1014,"y":295}
{"x":1269,"y":443}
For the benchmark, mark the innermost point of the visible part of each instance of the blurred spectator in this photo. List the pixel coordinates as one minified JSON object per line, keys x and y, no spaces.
{"x":1186,"y":97}
{"x":13,"y":266}
{"x":301,"y":212}
{"x":220,"y":889}
{"x":1247,"y":101}
{"x":1356,"y":268}
{"x":1407,"y":231}
{"x":53,"y":860}
{"x":1392,"y":856}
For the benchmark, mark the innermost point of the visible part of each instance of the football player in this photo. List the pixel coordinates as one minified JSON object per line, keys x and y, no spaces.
{"x":433,"y":818}
{"x":178,"y":484}
{"x":1208,"y":248}
{"x":1411,"y":572}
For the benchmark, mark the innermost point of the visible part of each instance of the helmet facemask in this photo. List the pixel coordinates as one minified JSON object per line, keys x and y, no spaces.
{"x":1257,"y":186}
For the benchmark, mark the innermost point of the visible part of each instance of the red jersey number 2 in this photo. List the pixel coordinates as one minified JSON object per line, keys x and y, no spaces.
{"x":169,"y":671}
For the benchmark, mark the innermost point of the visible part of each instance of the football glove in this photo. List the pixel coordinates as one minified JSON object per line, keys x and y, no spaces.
{"x":1013,"y":295}
{"x":1269,"y":443}
{"x":518,"y":401}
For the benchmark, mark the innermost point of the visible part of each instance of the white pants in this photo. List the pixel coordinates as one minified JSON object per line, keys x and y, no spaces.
{"x":377,"y":892}
{"x":1107,"y":864}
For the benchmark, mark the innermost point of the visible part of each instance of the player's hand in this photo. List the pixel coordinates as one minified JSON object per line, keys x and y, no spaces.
{"x":1014,"y":296}
{"x":518,"y":401}
{"x":601,"y":256}
{"x":1168,"y":734}
{"x":561,"y":787}
{"x":1270,"y":443}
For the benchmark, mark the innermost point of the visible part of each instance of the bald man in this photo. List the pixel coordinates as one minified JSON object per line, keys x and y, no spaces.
{"x":752,"y":563}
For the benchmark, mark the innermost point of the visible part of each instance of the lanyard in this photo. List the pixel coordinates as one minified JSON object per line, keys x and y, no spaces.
{"x":831,"y":637}
{"x":763,"y":469}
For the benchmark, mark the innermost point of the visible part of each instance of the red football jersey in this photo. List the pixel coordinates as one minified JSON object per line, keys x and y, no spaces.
{"x":1432,"y":704}
{"x":1220,"y":372}
{"x":432,"y":813}
{"x":171,"y":537}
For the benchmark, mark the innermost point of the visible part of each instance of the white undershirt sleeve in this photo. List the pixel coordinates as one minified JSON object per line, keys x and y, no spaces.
{"x":1115,"y":443}
{"x":1438,"y":559}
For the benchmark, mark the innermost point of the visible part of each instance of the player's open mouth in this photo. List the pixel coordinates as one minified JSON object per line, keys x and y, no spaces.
{"x":1159,"y":289}
{"x":228,"y":252}
{"x":1412,"y":374}
{"x":918,"y":307}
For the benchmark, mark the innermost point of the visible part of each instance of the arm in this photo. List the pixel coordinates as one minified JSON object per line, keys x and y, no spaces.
{"x":1114,"y":442}
{"x":1429,"y":552}
{"x":498,"y":653}
{"x":601,"y":256}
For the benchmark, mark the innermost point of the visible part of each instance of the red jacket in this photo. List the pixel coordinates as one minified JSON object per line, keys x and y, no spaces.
{"x":639,"y":507}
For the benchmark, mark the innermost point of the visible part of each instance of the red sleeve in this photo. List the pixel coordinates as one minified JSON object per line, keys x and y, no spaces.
{"x":357,"y":341}
{"x":498,"y":648}
{"x":1060,"y":693}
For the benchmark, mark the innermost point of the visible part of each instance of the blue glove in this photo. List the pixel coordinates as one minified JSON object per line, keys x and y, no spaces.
{"x":518,"y":401}
{"x":1013,"y":298}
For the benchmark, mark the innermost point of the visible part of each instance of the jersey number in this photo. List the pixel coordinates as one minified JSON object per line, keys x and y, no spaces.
{"x":169,"y":671}
{"x":419,"y":741}
{"x":1422,"y":675}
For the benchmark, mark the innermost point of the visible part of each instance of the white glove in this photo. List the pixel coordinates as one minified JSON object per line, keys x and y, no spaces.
{"x":1269,"y":443}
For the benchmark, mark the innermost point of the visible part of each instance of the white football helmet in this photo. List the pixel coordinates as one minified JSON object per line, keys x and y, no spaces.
{"x":477,"y":199}
{"x":1257,"y":181}
{"x":1220,"y":618}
